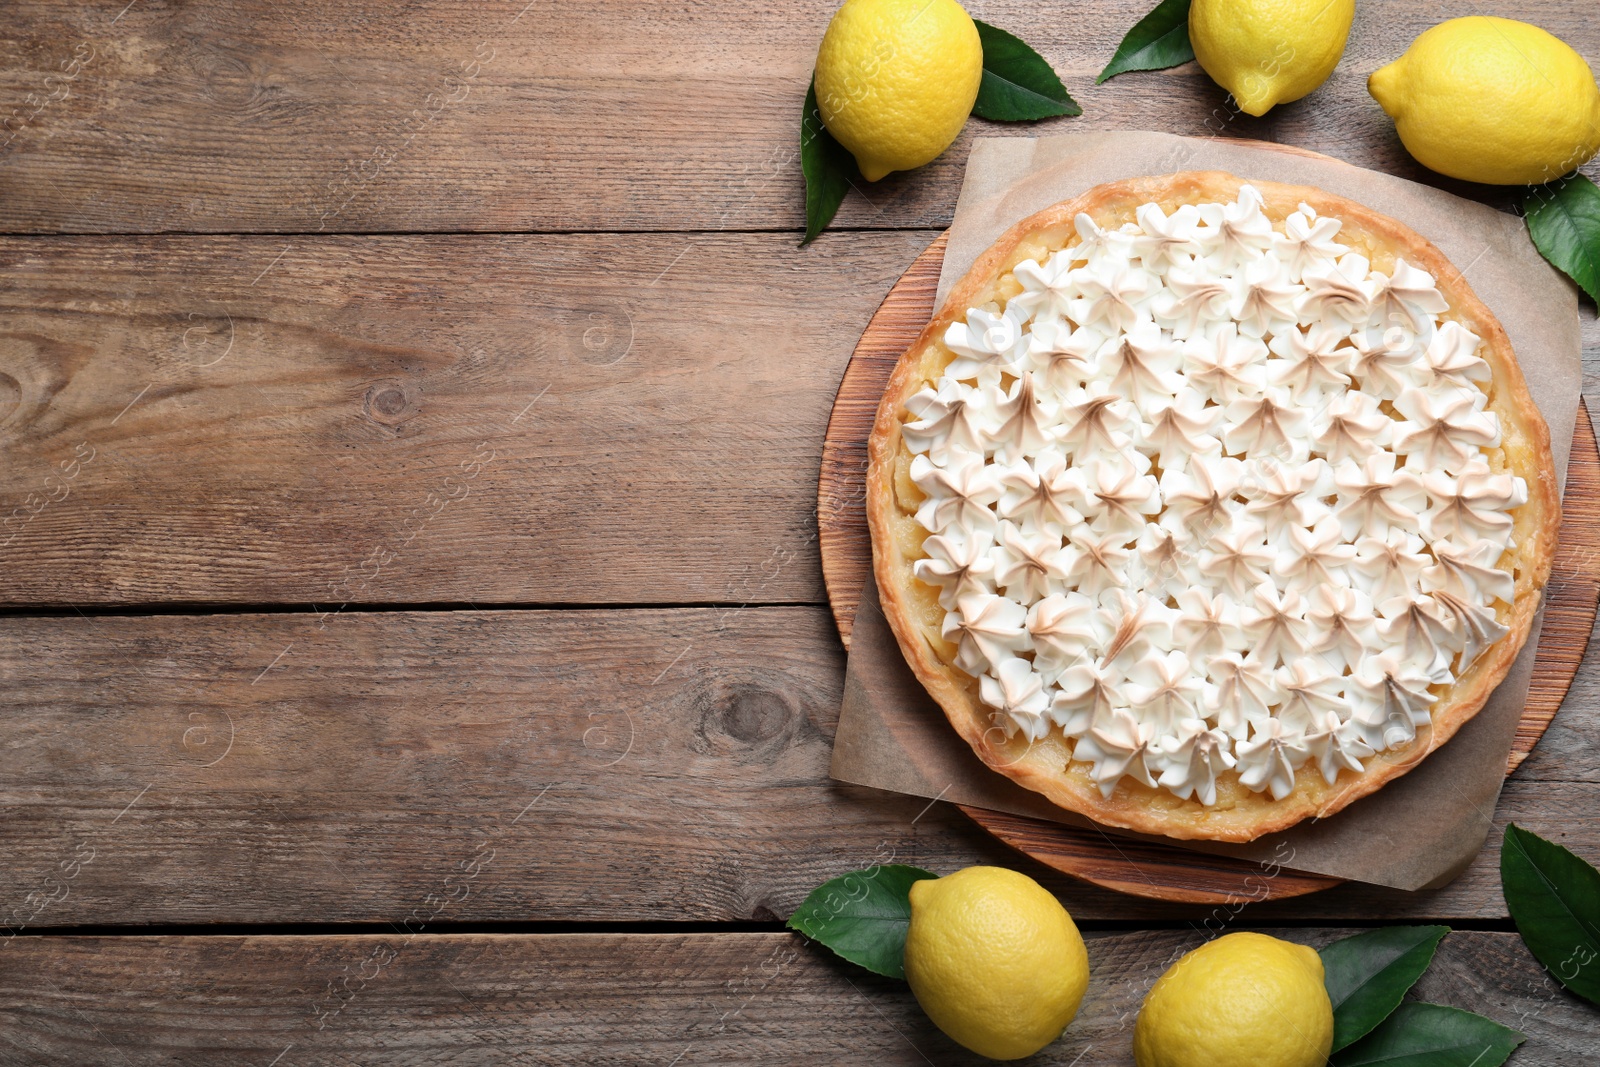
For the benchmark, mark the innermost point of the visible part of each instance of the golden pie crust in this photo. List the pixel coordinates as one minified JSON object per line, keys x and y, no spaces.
{"x":1239,"y":814}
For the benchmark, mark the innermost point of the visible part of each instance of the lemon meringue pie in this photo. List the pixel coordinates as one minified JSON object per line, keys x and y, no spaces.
{"x":1205,"y":506}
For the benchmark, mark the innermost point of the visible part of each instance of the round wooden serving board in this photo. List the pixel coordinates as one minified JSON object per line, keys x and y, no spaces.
{"x":1130,"y":866}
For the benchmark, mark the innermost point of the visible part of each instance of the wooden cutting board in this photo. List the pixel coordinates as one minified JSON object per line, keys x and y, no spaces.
{"x":1155,"y":870}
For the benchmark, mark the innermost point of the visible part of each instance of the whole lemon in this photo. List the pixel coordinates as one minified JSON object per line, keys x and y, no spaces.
{"x":994,"y":960}
{"x":1241,"y":999}
{"x":896,"y":80}
{"x":1269,"y":52}
{"x":1492,"y":100}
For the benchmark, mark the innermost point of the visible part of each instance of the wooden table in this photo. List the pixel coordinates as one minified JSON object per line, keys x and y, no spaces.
{"x":487,"y":322}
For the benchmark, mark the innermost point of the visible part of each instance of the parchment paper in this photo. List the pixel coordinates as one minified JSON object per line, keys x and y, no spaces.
{"x":1420,"y":830}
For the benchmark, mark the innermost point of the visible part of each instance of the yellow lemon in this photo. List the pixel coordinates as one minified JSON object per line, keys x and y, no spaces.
{"x":1241,"y":999}
{"x":896,"y":80}
{"x":1492,"y":100}
{"x":1268,"y":52}
{"x":994,"y":960}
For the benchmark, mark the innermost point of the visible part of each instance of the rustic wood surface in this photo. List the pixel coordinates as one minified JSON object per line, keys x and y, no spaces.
{"x":487,"y":320}
{"x":408,"y":998}
{"x":304,"y":116}
{"x":528,"y":419}
{"x":289,"y":768}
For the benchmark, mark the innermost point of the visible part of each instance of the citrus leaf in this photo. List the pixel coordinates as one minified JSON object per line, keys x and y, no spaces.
{"x":1368,"y":974}
{"x":863,"y":916}
{"x":1431,"y":1035}
{"x":1564,"y":222}
{"x":1554,"y":898}
{"x":829,"y":169}
{"x":1156,"y":42}
{"x":1018,"y":85}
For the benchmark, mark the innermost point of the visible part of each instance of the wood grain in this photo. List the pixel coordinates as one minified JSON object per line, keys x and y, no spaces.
{"x":304,"y":116}
{"x":1150,"y":869}
{"x":614,"y":765}
{"x":1147,"y":868}
{"x":406,"y":999}
{"x":559,"y":419}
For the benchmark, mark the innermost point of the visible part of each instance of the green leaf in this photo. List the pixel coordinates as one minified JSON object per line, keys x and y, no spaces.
{"x":1368,"y":974}
{"x":1554,"y":898}
{"x":1018,"y":85}
{"x":1156,"y":42}
{"x":863,"y":916}
{"x":1431,"y":1035}
{"x":1564,"y":222}
{"x":829,"y":170}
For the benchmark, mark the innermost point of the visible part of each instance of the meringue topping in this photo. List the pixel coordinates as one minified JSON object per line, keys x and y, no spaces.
{"x":1307,"y":239}
{"x":1207,"y":625}
{"x":1385,"y":362}
{"x":1343,"y":626}
{"x":1180,"y":426}
{"x":951,"y":420}
{"x":1094,"y":419}
{"x":1027,"y":568}
{"x":1391,"y":565}
{"x":1375,"y":492}
{"x":1266,"y":425}
{"x":1061,"y":356}
{"x":1419,"y":628}
{"x":985,"y":342}
{"x":988,"y":628}
{"x":1113,"y":297}
{"x":1119,"y":746}
{"x":1025,"y":424}
{"x":1016,"y":692}
{"x":1115,"y":496}
{"x":957,"y":495}
{"x":1275,"y":624}
{"x":1473,"y":626}
{"x":1143,"y":365}
{"x":1335,"y":746}
{"x":1452,"y":357}
{"x":1047,"y":288}
{"x":1237,"y":559}
{"x":1473,"y":505}
{"x":1394,"y":704}
{"x":1189,"y":299}
{"x":1407,"y":297}
{"x":1240,"y":692}
{"x":1226,"y":366}
{"x":1443,"y":429}
{"x":1209,"y":495}
{"x":1062,"y":629}
{"x":1266,"y":300}
{"x":1038,"y":493}
{"x":1096,"y":562}
{"x":1162,"y":690}
{"x":1192,"y":759}
{"x":1269,"y":759}
{"x":1311,"y":361}
{"x":1200,"y":499}
{"x":1336,"y":290}
{"x":1468,"y":570}
{"x":1165,"y":240}
{"x":1351,"y":427}
{"x":1234,"y":233}
{"x":958,"y":563}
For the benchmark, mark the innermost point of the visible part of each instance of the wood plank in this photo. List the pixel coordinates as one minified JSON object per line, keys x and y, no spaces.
{"x":422,"y":419}
{"x":610,"y":998}
{"x":300,"y":116}
{"x":587,"y":765}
